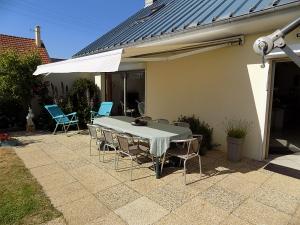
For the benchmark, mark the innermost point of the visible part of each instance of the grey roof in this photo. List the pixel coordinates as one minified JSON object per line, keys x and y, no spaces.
{"x":172,"y":16}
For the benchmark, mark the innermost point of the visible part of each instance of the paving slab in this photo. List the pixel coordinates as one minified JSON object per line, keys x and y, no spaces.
{"x":260,"y":214}
{"x":142,"y":211}
{"x":284,"y":184}
{"x":222,"y":198}
{"x":56,"y":180}
{"x":199,"y":211}
{"x":68,"y":193}
{"x":233,"y":220}
{"x":43,"y":171}
{"x":117,"y":196}
{"x":239,"y":185}
{"x":279,"y":200}
{"x":171,"y":196}
{"x":93,"y":178}
{"x":109,"y":219}
{"x":83,"y":211}
{"x":172,"y":219}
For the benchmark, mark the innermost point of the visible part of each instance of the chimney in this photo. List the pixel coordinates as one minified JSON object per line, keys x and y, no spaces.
{"x":149,"y":2}
{"x":38,"y":41}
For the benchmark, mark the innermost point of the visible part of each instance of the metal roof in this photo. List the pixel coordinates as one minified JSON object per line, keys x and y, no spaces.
{"x":173,"y":16}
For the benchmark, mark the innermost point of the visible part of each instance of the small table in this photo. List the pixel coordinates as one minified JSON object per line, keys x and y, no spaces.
{"x":160,"y":135}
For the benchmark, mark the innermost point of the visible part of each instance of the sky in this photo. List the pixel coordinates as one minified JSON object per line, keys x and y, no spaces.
{"x":67,"y":26}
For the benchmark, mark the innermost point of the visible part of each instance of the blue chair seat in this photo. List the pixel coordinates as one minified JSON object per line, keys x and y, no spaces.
{"x":61,"y":119}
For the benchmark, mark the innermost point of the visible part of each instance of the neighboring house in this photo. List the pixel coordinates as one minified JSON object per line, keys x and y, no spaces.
{"x":185,"y":57}
{"x":25,"y":45}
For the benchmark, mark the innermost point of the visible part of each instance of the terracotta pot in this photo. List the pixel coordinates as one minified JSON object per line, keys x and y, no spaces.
{"x":234,"y":149}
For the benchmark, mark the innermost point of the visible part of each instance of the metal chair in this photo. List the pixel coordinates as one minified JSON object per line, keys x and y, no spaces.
{"x":128,"y":110}
{"x":104,"y":110}
{"x":163,"y":121}
{"x":141,"y":108}
{"x":127,"y":148}
{"x":61,"y":119}
{"x":189,"y":149}
{"x":95,"y":134}
{"x":181,"y":124}
{"x":109,"y":142}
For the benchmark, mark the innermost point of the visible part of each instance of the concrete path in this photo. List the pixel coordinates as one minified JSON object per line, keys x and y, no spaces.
{"x":90,"y":192}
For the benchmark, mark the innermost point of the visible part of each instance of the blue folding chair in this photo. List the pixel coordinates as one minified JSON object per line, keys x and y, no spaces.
{"x":104,"y":110}
{"x":61,"y":119}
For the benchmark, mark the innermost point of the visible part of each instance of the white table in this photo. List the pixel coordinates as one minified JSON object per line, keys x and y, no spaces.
{"x":159,"y":135}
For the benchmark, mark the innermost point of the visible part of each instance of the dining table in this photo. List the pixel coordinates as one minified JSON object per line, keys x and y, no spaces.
{"x":160,"y":135}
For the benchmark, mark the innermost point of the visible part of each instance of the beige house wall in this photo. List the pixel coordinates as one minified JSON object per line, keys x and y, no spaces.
{"x":224,"y":83}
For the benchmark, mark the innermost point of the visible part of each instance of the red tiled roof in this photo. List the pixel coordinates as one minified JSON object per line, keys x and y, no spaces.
{"x":23,"y":45}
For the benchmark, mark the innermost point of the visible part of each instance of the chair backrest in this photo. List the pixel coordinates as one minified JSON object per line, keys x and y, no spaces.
{"x":141,"y":108}
{"x":182,"y":124}
{"x":197,"y":145}
{"x":108,"y":136}
{"x":55,"y":111}
{"x":164,"y":121}
{"x":105,"y":108}
{"x":124,"y":142}
{"x":94,"y":131}
{"x":193,"y":146}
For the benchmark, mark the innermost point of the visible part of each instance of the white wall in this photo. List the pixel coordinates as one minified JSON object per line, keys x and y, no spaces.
{"x":227,"y":82}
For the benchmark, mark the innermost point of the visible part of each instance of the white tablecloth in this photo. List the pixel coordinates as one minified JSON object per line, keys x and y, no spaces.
{"x":159,"y":135}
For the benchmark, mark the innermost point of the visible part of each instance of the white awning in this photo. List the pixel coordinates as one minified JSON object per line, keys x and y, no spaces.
{"x":102,"y":62}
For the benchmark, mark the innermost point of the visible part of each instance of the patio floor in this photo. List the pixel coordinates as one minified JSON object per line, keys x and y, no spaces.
{"x":90,"y":192}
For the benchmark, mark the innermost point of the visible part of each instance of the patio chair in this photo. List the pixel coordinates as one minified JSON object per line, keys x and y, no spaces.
{"x":181,"y":124}
{"x":61,"y":119}
{"x":163,"y":121}
{"x":109,"y":142}
{"x":104,"y":110}
{"x":141,"y":108}
{"x":95,"y":134}
{"x":128,"y":110}
{"x":127,"y":148}
{"x":189,"y":149}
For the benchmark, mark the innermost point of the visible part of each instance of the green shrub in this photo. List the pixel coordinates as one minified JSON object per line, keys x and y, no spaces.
{"x":236,"y":128}
{"x":17,"y":86}
{"x":83,"y":95}
{"x":199,"y":127}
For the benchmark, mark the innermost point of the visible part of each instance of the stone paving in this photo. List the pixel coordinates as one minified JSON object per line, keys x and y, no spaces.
{"x":90,"y":192}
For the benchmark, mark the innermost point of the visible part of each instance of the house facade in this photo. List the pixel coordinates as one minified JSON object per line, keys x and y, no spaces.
{"x":196,"y":58}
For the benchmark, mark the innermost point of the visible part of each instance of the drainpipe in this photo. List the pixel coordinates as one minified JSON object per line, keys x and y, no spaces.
{"x":125,"y":92}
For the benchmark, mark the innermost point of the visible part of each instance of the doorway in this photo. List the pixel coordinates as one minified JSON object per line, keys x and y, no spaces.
{"x":135,"y":91}
{"x":285,"y":111}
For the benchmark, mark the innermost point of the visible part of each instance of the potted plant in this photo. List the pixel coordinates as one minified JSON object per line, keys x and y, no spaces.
{"x":236,"y":131}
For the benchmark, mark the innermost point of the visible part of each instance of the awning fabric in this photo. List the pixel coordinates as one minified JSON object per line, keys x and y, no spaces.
{"x":102,"y":62}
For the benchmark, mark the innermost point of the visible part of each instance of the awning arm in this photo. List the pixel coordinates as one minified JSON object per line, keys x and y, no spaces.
{"x":264,"y":45}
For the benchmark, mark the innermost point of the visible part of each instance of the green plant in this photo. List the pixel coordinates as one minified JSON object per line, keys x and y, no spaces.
{"x":17,"y":85}
{"x":199,"y":127}
{"x":236,"y":128}
{"x":83,"y":94}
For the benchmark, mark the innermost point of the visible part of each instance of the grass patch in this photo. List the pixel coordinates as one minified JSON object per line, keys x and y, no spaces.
{"x":22,"y":200}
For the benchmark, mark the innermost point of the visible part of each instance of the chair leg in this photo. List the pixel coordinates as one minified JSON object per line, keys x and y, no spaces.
{"x":184,"y":170}
{"x":117,"y":162}
{"x":200,"y":166}
{"x":104,"y":149}
{"x":77,"y":126}
{"x":131,"y":168}
{"x":55,"y":129}
{"x":90,"y":147}
{"x":162,"y":163}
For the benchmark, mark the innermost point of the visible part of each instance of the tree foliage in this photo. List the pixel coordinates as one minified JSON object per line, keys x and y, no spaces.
{"x":17,"y":85}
